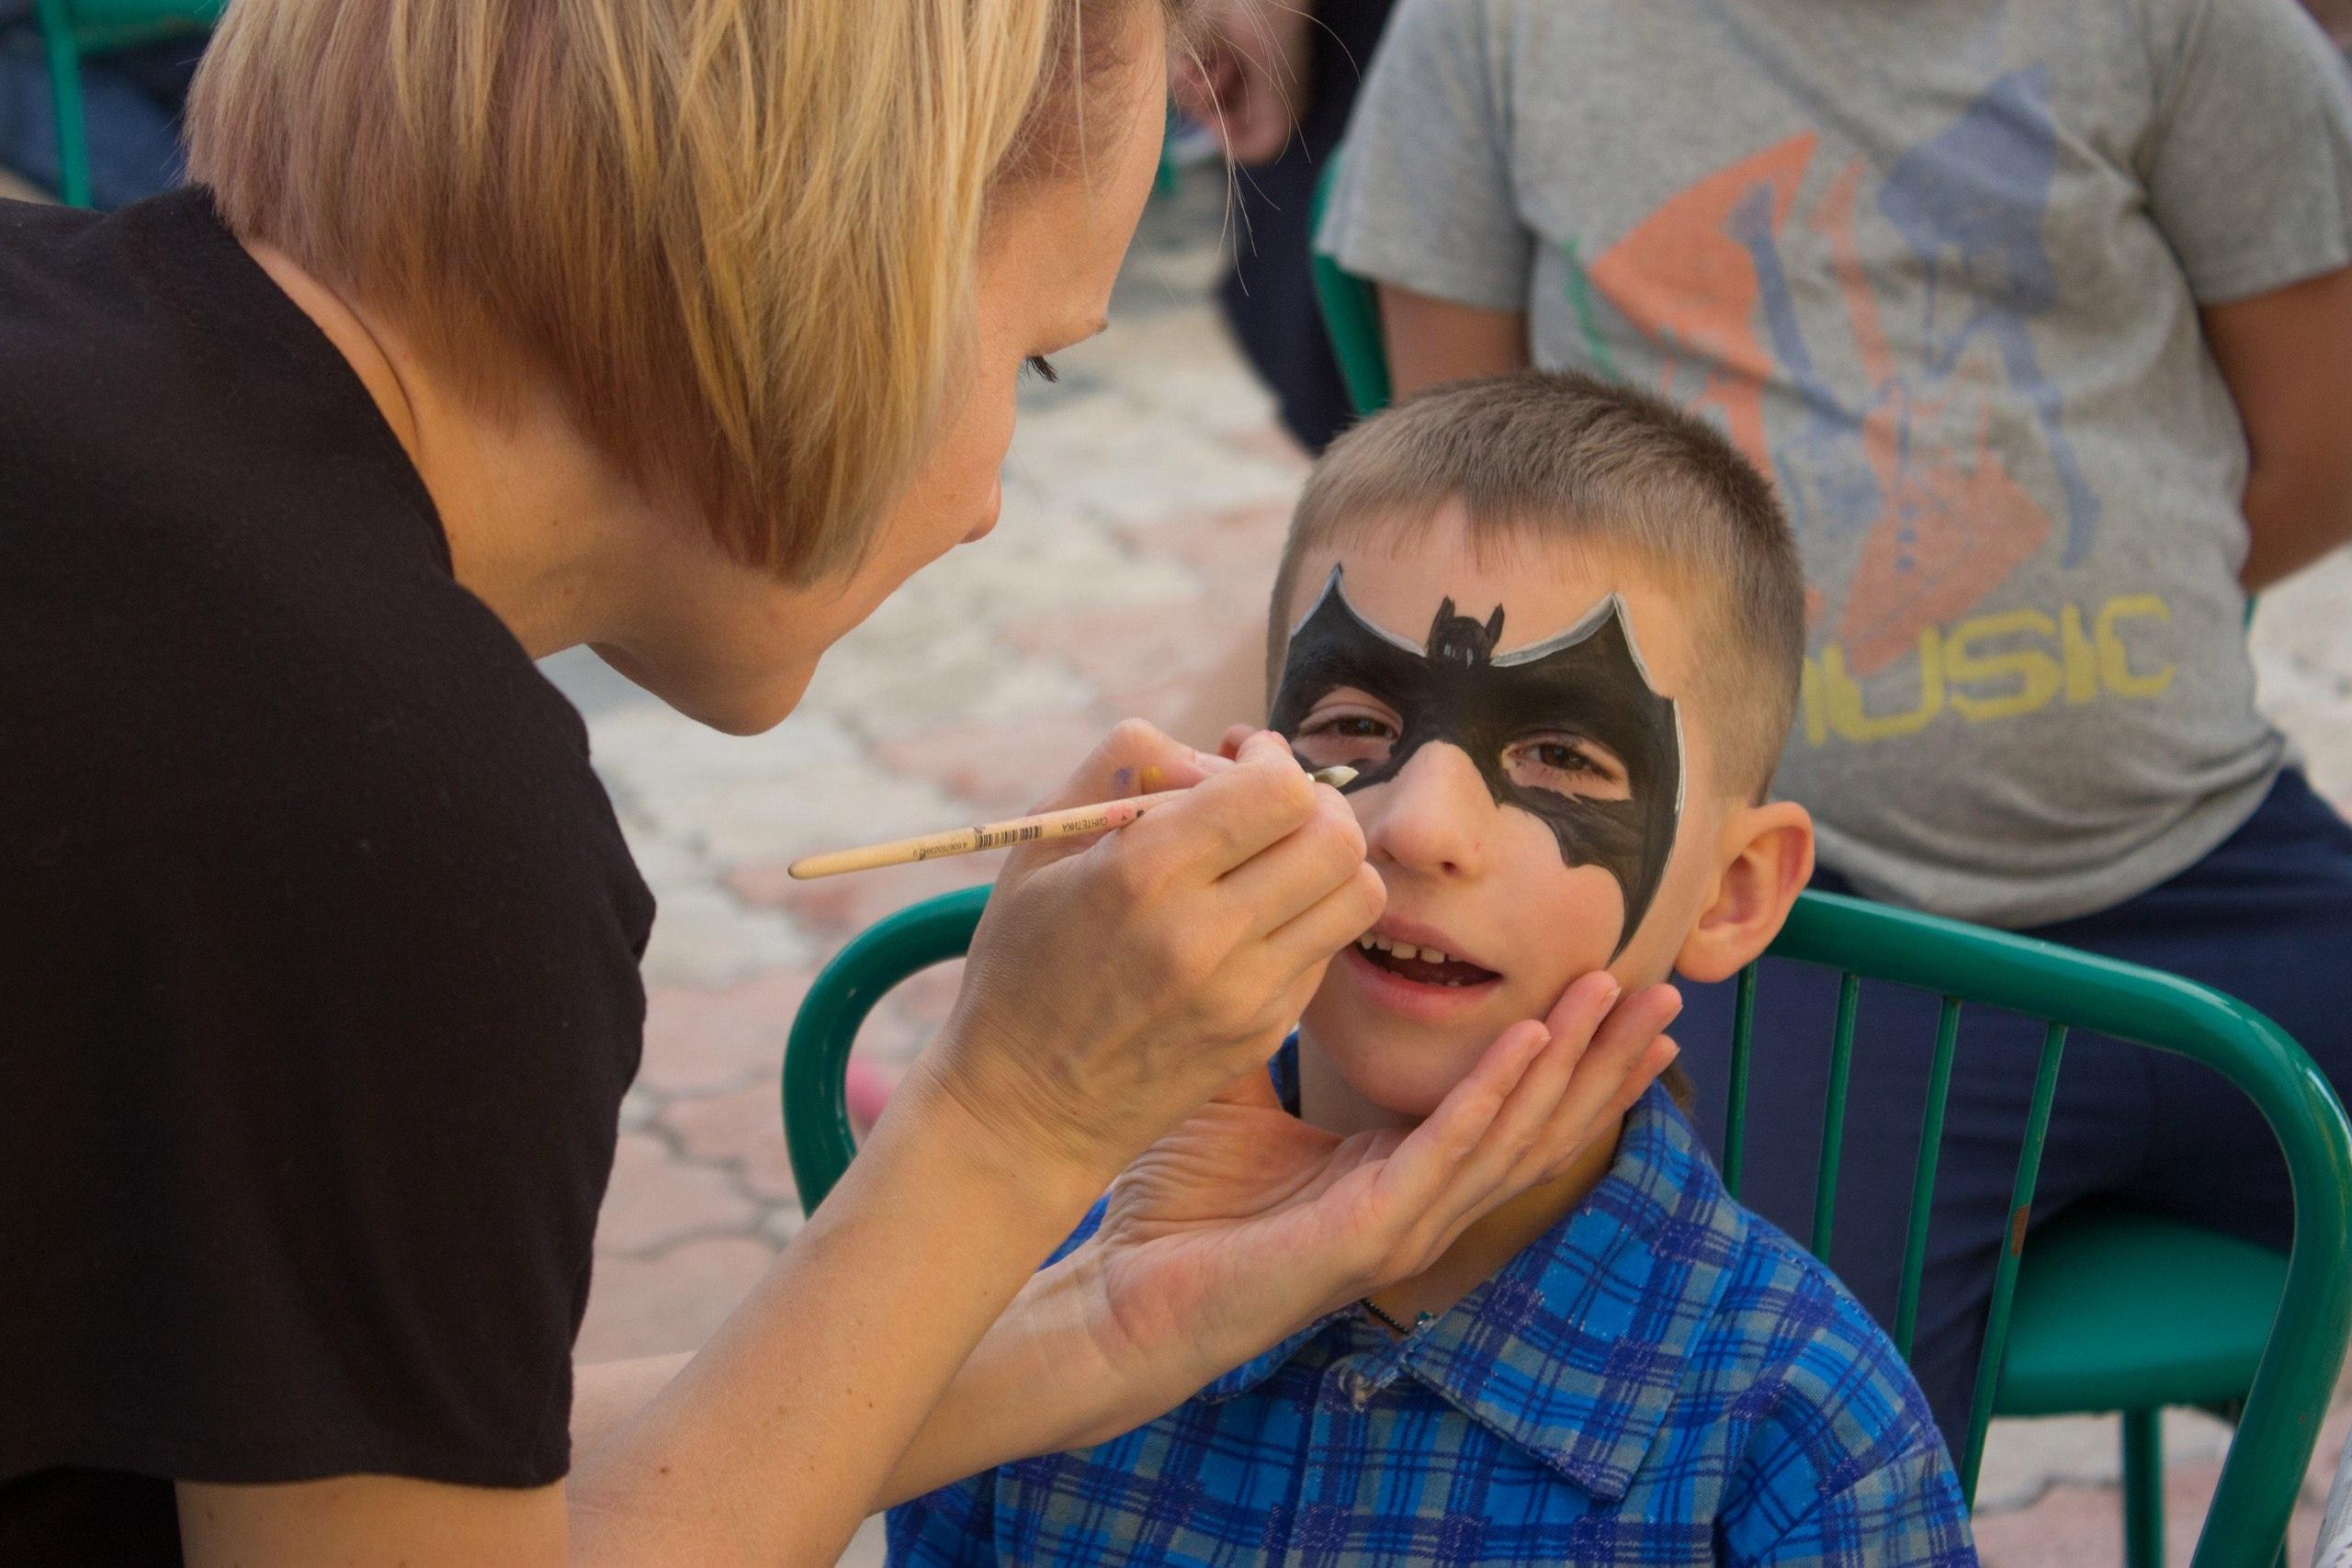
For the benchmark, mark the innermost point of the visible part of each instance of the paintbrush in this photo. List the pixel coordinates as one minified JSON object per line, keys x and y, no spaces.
{"x":1072,"y":823}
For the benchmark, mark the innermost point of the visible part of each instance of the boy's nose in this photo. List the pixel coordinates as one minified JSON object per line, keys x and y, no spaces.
{"x":1434,"y":815}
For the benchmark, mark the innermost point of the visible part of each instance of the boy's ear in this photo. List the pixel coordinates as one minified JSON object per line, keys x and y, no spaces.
{"x":1770,"y":860}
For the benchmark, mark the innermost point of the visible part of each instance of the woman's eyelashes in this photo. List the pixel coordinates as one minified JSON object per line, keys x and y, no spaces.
{"x":1040,"y":367}
{"x":1566,"y":765}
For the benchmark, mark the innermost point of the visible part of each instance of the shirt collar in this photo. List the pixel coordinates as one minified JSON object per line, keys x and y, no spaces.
{"x":1574,"y":1351}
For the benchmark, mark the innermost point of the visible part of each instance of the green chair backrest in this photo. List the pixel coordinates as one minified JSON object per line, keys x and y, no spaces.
{"x":1962,"y":964}
{"x":1350,"y":309}
{"x":70,"y":28}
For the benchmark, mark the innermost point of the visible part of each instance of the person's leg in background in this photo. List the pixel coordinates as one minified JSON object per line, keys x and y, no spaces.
{"x":1269,"y":297}
{"x":2259,"y":917}
{"x":130,"y":102}
{"x":2267,"y":918}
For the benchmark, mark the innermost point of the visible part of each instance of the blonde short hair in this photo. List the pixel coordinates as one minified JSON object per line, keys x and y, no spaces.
{"x":738,"y":236}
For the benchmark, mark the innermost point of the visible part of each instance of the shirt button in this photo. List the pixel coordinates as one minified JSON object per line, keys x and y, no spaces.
{"x":1342,"y":1389}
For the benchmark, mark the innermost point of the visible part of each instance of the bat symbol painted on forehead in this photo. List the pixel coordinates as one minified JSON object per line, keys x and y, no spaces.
{"x":1453,"y":689}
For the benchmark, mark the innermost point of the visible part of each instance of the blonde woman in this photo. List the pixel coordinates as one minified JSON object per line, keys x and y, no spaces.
{"x":686,"y":328}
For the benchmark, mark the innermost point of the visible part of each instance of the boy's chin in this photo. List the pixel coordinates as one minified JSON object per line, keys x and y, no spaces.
{"x":1403,"y":1071}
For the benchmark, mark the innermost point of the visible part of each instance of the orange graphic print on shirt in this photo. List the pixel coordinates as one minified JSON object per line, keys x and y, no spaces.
{"x":1908,"y":425}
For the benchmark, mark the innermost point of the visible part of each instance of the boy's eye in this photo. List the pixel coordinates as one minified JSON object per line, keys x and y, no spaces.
{"x":1566,"y":765}
{"x":1344,"y":734}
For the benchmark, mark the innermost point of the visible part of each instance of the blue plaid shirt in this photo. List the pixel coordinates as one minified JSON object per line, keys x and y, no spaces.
{"x":1662,"y":1378}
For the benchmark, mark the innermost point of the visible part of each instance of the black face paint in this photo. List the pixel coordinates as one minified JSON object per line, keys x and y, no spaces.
{"x":1586,"y":681}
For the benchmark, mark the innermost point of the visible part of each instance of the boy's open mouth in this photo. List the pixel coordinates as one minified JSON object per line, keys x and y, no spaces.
{"x":1424,"y":966}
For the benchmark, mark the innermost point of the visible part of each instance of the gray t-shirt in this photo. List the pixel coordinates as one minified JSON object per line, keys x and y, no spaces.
{"x":1936,"y":268}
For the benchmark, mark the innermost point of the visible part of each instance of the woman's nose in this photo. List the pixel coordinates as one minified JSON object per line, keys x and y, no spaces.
{"x":1434,"y":814}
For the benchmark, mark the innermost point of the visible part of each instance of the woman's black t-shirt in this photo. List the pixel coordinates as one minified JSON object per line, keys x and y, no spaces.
{"x":318,"y":936}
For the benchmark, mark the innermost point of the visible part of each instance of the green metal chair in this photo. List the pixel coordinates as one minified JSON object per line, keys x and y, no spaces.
{"x":2118,"y":1311}
{"x":72,"y":28}
{"x":2102,"y":1318}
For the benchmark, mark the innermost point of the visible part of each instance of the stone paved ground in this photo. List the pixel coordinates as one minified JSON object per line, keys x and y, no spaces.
{"x":1143,"y":504}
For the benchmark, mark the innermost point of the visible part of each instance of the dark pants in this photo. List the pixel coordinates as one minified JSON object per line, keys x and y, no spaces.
{"x":1269,"y":297}
{"x":2267,"y":918}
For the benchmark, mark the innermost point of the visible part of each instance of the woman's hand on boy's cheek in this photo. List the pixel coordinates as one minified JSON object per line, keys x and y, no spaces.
{"x":1246,"y":1224}
{"x":1194,"y":1269}
{"x":1537,"y":1099}
{"x":1629,"y":1049}
{"x":1605,"y":1048}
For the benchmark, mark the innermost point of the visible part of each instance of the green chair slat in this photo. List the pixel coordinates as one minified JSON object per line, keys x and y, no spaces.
{"x":1833,"y":1115}
{"x":1743,"y":1033}
{"x":1923,"y":1178}
{"x":2143,"y":1492}
{"x":2005,"y":1270}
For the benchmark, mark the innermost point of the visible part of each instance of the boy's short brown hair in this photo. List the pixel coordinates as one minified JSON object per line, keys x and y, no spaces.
{"x":1569,"y":458}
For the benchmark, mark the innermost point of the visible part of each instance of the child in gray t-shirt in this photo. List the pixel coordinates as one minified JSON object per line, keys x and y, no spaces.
{"x":1937,"y":270}
{"x":2038,"y":316}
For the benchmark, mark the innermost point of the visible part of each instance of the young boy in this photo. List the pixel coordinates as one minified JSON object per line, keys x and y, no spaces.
{"x":1555,"y":626}
{"x":2034,"y":314}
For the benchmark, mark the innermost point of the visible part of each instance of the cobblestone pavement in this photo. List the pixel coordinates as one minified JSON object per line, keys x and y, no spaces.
{"x":1145,"y":500}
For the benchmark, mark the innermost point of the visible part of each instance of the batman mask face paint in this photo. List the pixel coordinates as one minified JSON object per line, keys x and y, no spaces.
{"x":1587,"y":684}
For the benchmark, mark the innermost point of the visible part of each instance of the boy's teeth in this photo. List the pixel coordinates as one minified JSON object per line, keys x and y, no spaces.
{"x":1401,"y":949}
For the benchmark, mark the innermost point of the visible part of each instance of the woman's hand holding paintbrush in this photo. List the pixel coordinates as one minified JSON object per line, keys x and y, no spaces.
{"x":1071,"y":822}
{"x":1209,"y":921}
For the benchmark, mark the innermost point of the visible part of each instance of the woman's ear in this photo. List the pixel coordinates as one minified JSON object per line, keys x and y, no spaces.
{"x":1768,"y":863}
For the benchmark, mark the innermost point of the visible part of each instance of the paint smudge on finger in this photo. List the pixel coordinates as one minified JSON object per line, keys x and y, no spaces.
{"x":1123,"y":782}
{"x":1150,"y":780}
